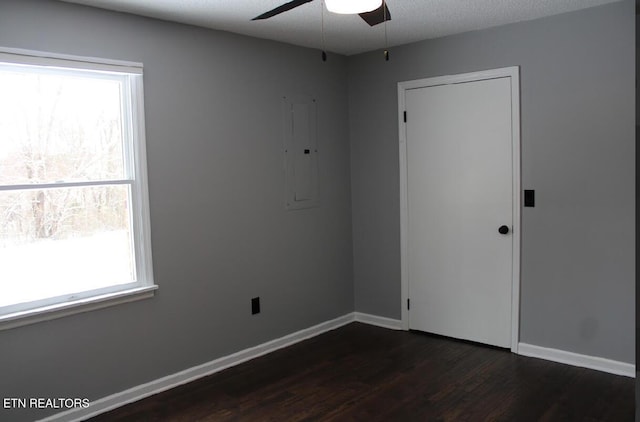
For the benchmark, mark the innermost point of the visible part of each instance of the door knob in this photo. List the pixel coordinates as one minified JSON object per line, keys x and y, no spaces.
{"x":503,"y":229}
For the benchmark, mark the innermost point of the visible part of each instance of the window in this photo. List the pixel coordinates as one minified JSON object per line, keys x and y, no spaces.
{"x":74,"y":219}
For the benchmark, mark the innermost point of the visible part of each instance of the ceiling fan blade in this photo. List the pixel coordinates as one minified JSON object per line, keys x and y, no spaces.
{"x":280,"y":9}
{"x":377,"y":16}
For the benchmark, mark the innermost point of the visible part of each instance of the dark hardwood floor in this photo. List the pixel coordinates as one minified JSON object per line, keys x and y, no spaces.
{"x":365,"y":373}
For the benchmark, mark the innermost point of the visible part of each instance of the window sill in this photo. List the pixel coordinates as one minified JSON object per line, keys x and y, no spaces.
{"x":60,"y":310}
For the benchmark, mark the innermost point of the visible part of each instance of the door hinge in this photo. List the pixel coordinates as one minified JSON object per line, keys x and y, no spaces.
{"x":405,"y":116}
{"x":408,"y":304}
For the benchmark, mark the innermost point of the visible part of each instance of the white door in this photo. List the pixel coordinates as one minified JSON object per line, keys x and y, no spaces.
{"x":459,"y":194}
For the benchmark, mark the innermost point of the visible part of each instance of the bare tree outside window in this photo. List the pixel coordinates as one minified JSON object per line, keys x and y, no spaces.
{"x":58,"y":130}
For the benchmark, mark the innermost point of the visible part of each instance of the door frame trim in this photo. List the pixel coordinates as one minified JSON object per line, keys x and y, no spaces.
{"x":513,"y":73}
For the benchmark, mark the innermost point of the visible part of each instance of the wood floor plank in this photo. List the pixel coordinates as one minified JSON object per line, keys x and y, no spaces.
{"x":365,"y":373}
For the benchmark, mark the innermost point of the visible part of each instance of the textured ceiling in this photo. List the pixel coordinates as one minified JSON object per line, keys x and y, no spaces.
{"x":412,"y":20}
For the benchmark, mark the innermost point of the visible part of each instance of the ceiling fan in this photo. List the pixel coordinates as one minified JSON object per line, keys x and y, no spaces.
{"x":371,"y":16}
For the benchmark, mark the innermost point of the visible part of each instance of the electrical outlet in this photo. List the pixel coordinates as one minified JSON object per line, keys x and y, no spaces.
{"x":255,"y":305}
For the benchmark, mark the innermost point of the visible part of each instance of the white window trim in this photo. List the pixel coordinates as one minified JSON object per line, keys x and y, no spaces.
{"x":39,"y":58}
{"x":59,"y":310}
{"x":140,"y":215}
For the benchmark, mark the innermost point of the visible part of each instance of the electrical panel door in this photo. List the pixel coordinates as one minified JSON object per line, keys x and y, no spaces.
{"x":300,"y":152}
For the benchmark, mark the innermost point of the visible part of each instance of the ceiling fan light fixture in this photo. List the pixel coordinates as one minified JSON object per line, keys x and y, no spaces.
{"x":352,"y":7}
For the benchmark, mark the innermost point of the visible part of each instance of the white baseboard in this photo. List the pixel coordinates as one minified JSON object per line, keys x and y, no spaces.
{"x":393,"y":324}
{"x":575,"y":359}
{"x":140,"y":392}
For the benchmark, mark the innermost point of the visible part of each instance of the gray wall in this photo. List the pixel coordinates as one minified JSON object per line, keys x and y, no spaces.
{"x":577,"y":121}
{"x":637,"y":209}
{"x":220,"y":233}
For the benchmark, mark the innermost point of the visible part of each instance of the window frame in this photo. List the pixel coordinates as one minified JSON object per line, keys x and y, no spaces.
{"x":134,"y":152}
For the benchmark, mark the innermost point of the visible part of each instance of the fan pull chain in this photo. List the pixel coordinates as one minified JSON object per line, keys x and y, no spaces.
{"x":324,"y":52}
{"x":386,"y":38}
